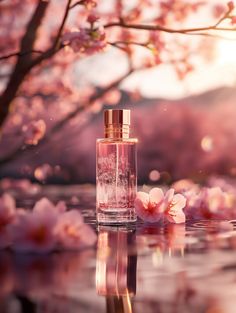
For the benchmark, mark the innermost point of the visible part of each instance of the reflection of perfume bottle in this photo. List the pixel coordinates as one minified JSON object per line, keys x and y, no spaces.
{"x":116,"y":170}
{"x":116,"y":268}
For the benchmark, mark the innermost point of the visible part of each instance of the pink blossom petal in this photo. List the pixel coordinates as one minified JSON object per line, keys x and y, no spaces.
{"x":43,"y":205}
{"x":177,"y":218}
{"x":61,"y":207}
{"x":141,"y":201}
{"x":72,"y":233}
{"x":156,"y":195}
{"x":34,"y":232}
{"x":175,"y":213}
{"x":169,"y":195}
{"x":153,"y":217}
{"x":178,"y":202}
{"x":146,"y":210}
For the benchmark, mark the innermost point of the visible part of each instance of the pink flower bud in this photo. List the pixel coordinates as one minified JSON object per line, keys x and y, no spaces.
{"x":233,"y":20}
{"x":92,"y":18}
{"x":230,"y":5}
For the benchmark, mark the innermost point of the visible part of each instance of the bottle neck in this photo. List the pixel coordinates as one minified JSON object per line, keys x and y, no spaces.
{"x":117,"y":131}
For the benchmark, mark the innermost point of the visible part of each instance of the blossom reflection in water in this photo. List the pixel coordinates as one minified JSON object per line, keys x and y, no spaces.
{"x":116,"y":268}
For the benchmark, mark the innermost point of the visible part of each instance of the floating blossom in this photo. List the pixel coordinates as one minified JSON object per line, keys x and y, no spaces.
{"x":184,"y":185}
{"x":72,"y":233}
{"x":210,"y":203}
{"x":34,"y":131}
{"x":87,"y":41}
{"x":44,"y":205}
{"x":155,"y":205}
{"x":7,"y":214}
{"x":34,"y":232}
{"x":48,"y":227}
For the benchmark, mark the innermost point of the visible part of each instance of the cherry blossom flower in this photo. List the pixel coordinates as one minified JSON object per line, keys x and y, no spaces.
{"x":86,"y":40}
{"x":46,"y":228}
{"x":230,"y":5}
{"x":34,"y":132}
{"x":72,"y":232}
{"x":183,"y":185}
{"x":7,"y":214}
{"x":174,"y":212}
{"x":34,"y":232}
{"x":218,"y":10}
{"x":44,"y":205}
{"x":210,"y":203}
{"x":156,"y":205}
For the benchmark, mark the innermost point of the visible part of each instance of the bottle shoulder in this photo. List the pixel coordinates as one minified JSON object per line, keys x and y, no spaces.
{"x":117,"y":141}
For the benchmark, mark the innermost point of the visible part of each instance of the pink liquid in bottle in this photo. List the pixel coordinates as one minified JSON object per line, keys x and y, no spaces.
{"x":116,"y":171}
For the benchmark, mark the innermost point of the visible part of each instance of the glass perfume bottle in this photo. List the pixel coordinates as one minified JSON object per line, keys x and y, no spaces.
{"x":116,"y":170}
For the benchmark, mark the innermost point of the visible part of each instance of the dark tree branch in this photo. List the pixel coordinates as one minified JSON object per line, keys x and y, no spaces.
{"x":57,"y":40}
{"x":150,"y":27}
{"x":77,"y":3}
{"x":224,"y":17}
{"x":18,"y":54}
{"x":28,"y":40}
{"x":25,"y":62}
{"x":21,"y":68}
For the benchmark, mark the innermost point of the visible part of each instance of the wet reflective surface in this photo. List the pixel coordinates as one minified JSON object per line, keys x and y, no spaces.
{"x":150,"y":268}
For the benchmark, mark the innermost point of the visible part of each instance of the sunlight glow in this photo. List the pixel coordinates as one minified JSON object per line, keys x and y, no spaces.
{"x":226,"y":52}
{"x":207,"y":143}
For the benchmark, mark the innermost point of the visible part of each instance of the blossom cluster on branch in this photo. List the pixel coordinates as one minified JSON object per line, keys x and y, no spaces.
{"x":145,"y":32}
{"x":40,"y":53}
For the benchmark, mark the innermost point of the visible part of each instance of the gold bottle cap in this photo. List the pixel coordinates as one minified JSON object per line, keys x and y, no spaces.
{"x":116,"y":117}
{"x":117,"y":123}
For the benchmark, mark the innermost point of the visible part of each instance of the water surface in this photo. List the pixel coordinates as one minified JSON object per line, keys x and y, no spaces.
{"x":147,"y":268}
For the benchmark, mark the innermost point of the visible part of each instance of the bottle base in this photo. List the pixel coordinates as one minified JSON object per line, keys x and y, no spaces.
{"x":116,"y":216}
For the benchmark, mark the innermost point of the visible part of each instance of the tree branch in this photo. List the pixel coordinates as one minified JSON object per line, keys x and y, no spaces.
{"x":22,"y":65}
{"x":28,"y":40}
{"x":76,"y":3}
{"x":25,"y":62}
{"x":171,"y":30}
{"x":19,"y":54}
{"x":62,"y":24}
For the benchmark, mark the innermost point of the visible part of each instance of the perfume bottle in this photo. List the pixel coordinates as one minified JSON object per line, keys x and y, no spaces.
{"x":116,"y":170}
